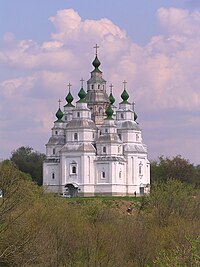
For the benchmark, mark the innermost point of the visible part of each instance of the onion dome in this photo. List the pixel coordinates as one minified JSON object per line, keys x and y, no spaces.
{"x":109,"y":112}
{"x":59,"y":115}
{"x":125,"y":96}
{"x":69,"y":98}
{"x":135,"y":116}
{"x":82,"y":94}
{"x":96,"y":63}
{"x":111,"y":98}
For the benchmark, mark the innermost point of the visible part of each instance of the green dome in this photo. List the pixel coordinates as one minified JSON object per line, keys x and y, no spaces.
{"x":82,"y":93}
{"x":112,"y":99}
{"x":125,"y":96}
{"x":59,"y":115}
{"x":69,"y":98}
{"x":109,"y":112}
{"x":96,"y":63}
{"x":135,"y":116}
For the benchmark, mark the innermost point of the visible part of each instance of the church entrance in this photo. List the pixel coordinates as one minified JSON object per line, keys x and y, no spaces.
{"x":72,"y":190}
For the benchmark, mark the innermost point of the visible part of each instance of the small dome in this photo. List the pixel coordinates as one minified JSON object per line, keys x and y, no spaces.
{"x":96,"y":63}
{"x":59,"y":115}
{"x":69,"y":98}
{"x":125,"y":96}
{"x":112,"y":99}
{"x":109,"y":112}
{"x":135,"y":116}
{"x":82,"y":94}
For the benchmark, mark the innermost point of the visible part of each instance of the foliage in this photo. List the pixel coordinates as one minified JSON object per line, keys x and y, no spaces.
{"x":29,"y":161}
{"x":175,"y":168}
{"x":38,"y":229}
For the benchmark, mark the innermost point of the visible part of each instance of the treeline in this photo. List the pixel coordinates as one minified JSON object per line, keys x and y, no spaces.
{"x":41,"y":230}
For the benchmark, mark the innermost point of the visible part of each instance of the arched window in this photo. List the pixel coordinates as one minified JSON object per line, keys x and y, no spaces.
{"x":120,"y":174}
{"x":54,"y":151}
{"x":103,"y":175}
{"x":104,"y":149}
{"x":53,"y":175}
{"x":56,"y":132}
{"x":98,"y":86}
{"x":78,"y":114}
{"x":74,"y":169}
{"x":122,"y":115}
{"x":92,"y":86}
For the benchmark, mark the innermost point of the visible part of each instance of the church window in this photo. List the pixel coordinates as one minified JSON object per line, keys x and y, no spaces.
{"x":140,"y":168}
{"x":74,"y":169}
{"x":106,"y":130}
{"x":93,"y":135}
{"x":118,"y":149}
{"x":104,"y":149}
{"x":92,"y":86}
{"x":56,"y":132}
{"x":120,"y":174}
{"x":54,"y":151}
{"x":53,"y":175}
{"x":103,"y":175}
{"x":98,"y":86}
{"x":66,"y":117}
{"x":137,"y":137}
{"x":100,"y":110}
{"x":103,"y":87}
{"x":122,"y":115}
{"x":75,"y":136}
{"x":78,"y":114}
{"x":99,"y":132}
{"x":120,"y":136}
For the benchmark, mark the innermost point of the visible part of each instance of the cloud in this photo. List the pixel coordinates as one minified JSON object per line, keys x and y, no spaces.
{"x":162,"y":76}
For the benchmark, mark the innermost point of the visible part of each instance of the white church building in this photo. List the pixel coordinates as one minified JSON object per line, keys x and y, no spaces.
{"x":96,"y":148}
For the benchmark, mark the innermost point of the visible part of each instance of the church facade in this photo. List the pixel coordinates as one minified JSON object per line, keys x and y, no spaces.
{"x":96,"y":148}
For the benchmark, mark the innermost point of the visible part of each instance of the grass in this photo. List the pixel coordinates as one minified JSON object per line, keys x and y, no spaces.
{"x":104,"y":199}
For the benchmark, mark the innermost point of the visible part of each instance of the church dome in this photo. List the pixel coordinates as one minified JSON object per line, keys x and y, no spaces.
{"x":96,"y":63}
{"x":59,"y":115}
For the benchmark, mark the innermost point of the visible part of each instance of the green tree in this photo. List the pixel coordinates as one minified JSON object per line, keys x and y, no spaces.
{"x":29,"y":161}
{"x":175,"y":168}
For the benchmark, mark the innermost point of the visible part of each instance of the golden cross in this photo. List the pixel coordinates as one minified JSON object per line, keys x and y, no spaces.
{"x":124,"y":82}
{"x":59,"y":101}
{"x":96,"y":47}
{"x":111,"y":87}
{"x":82,"y":82}
{"x":69,"y":85}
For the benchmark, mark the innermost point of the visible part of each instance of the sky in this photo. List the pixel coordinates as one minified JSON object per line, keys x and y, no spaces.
{"x":153,"y":45}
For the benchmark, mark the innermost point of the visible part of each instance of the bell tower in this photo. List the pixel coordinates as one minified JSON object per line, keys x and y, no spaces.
{"x":97,"y":98}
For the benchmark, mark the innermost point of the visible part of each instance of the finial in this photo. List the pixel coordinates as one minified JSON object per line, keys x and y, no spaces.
{"x":111,"y":87}
{"x":82,"y":82}
{"x":124,"y":82}
{"x":59,"y":101}
{"x":96,"y":47}
{"x":69,"y":85}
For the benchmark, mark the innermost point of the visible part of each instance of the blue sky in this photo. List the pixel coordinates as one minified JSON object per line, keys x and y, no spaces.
{"x":154,"y":45}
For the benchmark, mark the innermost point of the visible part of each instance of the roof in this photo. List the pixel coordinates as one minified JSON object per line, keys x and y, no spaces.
{"x":109,"y":138}
{"x":129,"y":125}
{"x":81,"y":147}
{"x":56,"y":140}
{"x":79,"y":123}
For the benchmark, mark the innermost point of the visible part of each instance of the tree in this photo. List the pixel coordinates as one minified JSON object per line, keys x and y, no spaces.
{"x":176,"y":168}
{"x":29,"y":161}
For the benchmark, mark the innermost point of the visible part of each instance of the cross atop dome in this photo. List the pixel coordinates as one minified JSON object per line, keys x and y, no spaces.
{"x":96,"y":48}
